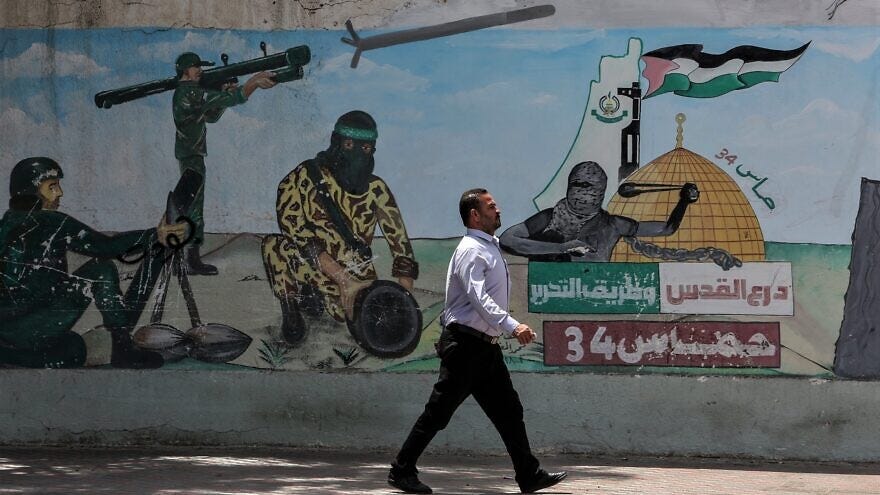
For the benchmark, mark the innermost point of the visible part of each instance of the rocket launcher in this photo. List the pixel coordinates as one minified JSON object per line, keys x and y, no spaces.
{"x":287,"y":66}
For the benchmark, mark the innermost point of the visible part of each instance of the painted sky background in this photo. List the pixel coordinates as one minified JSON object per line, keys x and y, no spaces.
{"x":497,"y":108}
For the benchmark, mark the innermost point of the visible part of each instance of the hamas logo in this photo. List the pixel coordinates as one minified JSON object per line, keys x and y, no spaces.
{"x":609,"y":105}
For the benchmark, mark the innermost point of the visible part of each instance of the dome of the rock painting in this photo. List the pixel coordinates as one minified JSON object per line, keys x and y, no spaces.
{"x":721,"y":218}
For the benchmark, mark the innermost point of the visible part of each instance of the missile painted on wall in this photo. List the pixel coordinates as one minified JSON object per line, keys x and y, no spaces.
{"x":440,"y":30}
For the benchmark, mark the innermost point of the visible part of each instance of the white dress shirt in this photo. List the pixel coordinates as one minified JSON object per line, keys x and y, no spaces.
{"x":478,"y":286}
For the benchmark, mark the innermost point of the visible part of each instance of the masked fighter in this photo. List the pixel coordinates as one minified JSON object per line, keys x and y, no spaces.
{"x":328,"y":208}
{"x":579,"y":229}
{"x":40,"y":301}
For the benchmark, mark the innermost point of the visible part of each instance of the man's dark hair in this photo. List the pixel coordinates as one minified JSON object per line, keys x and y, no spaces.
{"x":470,"y":200}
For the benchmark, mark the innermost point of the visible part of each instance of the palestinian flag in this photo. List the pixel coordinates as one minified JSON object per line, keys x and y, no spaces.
{"x":688,"y":71}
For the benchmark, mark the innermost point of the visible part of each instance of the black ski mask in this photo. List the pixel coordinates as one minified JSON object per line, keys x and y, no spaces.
{"x":586,"y":188}
{"x":350,"y":155}
{"x":582,"y":201}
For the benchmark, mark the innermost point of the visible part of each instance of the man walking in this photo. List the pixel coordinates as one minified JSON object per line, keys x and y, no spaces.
{"x":474,"y":318}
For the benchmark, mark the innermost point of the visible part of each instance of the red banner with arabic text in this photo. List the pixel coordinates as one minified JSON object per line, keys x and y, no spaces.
{"x":705,"y":344}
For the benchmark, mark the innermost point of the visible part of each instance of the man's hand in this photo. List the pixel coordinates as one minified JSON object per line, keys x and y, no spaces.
{"x":164,"y":231}
{"x":262,"y":80}
{"x":406,"y":282}
{"x":349,"y":287}
{"x":524,"y":334}
{"x":265,"y":79}
{"x":576,"y":247}
{"x":689,"y":192}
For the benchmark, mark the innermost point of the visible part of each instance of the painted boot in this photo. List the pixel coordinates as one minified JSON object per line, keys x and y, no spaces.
{"x":293,"y":325}
{"x":195,"y":265}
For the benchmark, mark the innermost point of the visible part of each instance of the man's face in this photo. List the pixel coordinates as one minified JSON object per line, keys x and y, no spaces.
{"x":192,"y":74}
{"x":50,"y":194}
{"x":488,"y":215}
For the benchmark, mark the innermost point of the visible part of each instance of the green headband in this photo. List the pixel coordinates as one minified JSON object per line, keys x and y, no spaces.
{"x":356,"y":133}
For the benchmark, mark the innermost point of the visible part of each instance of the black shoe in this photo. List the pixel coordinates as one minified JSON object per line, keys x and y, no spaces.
{"x":541,"y":480}
{"x":407,"y":483}
{"x":293,"y":325}
{"x":195,"y":265}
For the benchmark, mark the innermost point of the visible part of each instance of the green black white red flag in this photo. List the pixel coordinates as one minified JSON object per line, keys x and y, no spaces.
{"x":687,"y":70}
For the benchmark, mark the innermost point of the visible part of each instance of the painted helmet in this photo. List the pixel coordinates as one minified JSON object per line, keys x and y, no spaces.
{"x":28,"y":173}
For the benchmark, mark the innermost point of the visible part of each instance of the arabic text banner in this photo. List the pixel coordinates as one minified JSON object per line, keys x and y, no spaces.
{"x":705,"y":344}
{"x":704,"y":288}
{"x":577,"y":288}
{"x":761,"y":288}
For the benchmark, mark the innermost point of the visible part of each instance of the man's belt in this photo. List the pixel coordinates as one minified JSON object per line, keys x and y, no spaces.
{"x":456,"y":327}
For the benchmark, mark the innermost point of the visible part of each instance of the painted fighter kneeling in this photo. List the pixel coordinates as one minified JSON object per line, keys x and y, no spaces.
{"x":328,"y":208}
{"x":40,"y":301}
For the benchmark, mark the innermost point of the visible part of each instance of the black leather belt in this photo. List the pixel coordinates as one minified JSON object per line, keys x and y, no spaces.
{"x":456,"y":327}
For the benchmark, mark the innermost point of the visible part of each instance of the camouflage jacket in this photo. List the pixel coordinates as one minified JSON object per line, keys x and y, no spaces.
{"x":309,"y":230}
{"x":193,"y":107}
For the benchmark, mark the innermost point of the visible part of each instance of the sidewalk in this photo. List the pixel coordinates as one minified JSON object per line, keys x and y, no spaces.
{"x":264,"y":471}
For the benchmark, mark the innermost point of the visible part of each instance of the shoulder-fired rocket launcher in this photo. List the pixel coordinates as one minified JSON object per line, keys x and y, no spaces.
{"x":287,"y":66}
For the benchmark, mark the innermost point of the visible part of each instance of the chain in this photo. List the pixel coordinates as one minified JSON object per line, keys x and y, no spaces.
{"x":719,"y":256}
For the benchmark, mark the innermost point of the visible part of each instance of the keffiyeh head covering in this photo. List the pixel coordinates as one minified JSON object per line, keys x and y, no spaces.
{"x":582,"y":201}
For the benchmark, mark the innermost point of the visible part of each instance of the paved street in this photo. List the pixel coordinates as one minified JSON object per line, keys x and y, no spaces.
{"x":265,"y":471}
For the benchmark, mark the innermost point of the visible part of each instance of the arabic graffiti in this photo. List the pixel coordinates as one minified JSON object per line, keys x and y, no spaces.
{"x":619,"y":288}
{"x":760,"y":288}
{"x":690,"y":344}
{"x":731,"y":159}
{"x":575,"y":288}
{"x":763,"y":288}
{"x":757,"y":294}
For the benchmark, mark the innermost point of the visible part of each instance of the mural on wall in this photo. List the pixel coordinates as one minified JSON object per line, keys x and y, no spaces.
{"x":201,"y":97}
{"x":689,"y":262}
{"x":578,"y":227}
{"x":447,"y":29}
{"x":42,"y":299}
{"x":328,"y":210}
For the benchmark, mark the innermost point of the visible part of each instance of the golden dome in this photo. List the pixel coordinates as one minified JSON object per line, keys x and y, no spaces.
{"x":721,"y":218}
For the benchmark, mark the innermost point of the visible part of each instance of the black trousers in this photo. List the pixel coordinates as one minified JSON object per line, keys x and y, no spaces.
{"x":469,"y":365}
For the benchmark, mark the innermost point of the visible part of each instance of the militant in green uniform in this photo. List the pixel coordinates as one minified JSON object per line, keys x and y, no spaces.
{"x":40,"y":301}
{"x":193,"y":108}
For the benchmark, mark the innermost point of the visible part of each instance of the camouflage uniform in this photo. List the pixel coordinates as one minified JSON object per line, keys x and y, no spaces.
{"x":193,"y":107}
{"x":307,"y":230}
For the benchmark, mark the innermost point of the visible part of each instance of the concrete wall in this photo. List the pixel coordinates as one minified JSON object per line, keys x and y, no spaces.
{"x":775,"y":418}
